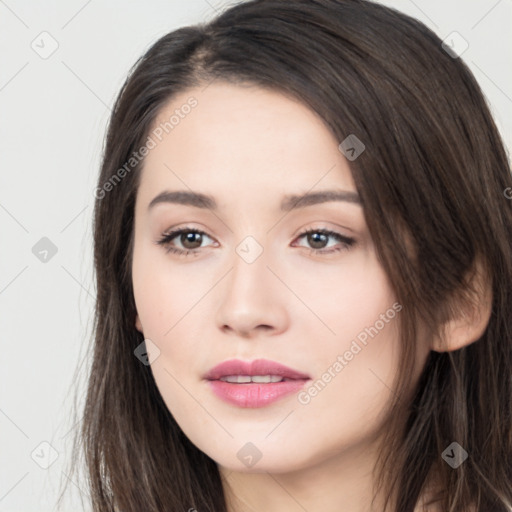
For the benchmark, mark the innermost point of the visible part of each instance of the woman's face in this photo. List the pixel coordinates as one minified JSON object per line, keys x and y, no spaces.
{"x":253,"y":286}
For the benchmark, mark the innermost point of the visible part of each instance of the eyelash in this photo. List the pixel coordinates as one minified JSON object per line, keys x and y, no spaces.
{"x":166,"y":239}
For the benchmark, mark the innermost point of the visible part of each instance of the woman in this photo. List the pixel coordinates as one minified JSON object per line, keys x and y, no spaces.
{"x":303,"y":259}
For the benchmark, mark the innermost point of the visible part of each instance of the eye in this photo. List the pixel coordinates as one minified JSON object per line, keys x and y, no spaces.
{"x":190,"y":240}
{"x":319,"y":239}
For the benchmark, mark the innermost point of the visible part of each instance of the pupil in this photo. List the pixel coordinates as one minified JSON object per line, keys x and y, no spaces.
{"x":317,"y":238}
{"x":189,"y":237}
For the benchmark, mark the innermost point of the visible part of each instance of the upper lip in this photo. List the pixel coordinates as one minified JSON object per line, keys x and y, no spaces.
{"x":255,"y":367}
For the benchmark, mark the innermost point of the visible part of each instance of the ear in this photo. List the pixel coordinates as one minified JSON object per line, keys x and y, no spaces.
{"x":138,"y":325}
{"x":471,"y":317}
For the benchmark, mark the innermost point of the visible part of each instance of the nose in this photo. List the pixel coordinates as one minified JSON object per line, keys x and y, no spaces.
{"x":252,"y":300}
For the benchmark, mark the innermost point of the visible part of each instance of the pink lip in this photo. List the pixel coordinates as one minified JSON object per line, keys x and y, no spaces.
{"x":254,"y":394}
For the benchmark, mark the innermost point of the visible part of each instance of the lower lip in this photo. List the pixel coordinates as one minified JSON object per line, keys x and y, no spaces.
{"x":255,"y":394}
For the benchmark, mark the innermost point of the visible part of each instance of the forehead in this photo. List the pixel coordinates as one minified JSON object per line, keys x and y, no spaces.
{"x":236,"y":136}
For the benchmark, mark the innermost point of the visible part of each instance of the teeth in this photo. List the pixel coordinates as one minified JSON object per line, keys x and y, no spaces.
{"x":266,"y":378}
{"x":237,"y":379}
{"x":242,"y":379}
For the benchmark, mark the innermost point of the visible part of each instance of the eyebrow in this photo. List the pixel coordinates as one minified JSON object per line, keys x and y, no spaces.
{"x":289,"y":202}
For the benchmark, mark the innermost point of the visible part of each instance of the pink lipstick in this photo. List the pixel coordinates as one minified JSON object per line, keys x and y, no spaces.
{"x":254,"y":384}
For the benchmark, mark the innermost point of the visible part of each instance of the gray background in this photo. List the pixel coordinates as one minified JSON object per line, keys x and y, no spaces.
{"x":54,"y":112}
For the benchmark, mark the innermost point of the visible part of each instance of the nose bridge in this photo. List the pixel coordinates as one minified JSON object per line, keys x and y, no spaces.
{"x":249,"y":277}
{"x":249,"y":297}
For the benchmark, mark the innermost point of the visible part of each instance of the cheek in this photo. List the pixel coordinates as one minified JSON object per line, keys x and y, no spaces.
{"x":352,"y":387}
{"x":356,"y":364}
{"x":164,"y":293}
{"x":168,"y":300}
{"x":348,"y":298}
{"x":163,"y":299}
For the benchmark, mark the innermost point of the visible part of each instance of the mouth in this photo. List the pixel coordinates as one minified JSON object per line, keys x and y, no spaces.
{"x":239,"y":371}
{"x":254,"y":384}
{"x":260,"y":379}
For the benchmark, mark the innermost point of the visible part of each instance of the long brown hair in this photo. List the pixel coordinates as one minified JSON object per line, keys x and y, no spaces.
{"x":432,"y":181}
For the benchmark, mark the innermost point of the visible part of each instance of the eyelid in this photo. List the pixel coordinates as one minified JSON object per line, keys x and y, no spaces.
{"x":341,"y":238}
{"x":172,"y":233}
{"x":346,"y":241}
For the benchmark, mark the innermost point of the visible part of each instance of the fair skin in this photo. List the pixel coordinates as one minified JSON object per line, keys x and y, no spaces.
{"x":248,"y":148}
